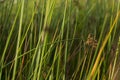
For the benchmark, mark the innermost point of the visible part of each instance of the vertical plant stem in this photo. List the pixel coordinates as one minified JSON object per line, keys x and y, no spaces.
{"x":102,"y":47}
{"x":7,"y":43}
{"x":114,"y":64}
{"x":18,"y":41}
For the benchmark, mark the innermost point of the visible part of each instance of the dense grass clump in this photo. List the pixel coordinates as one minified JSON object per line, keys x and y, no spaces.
{"x":59,"y":40}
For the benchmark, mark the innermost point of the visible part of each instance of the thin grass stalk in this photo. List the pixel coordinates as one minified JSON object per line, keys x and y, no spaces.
{"x":66,"y":43}
{"x":118,"y":8}
{"x":99,"y":42}
{"x":102,"y":47}
{"x":51,"y":70}
{"x":89,"y":61}
{"x":98,"y":69}
{"x":115,"y":60}
{"x":44,"y":37}
{"x":74,"y":32}
{"x":29,"y":25}
{"x":61,"y":37}
{"x":53,"y":64}
{"x":18,"y":41}
{"x":31,"y":38}
{"x":83,"y":66}
{"x":7,"y":42}
{"x":51,"y":45}
{"x":49,"y":9}
{"x":80,"y":61}
{"x":10,"y":62}
{"x":38,"y":43}
{"x":98,"y":75}
{"x":111,"y":20}
{"x":111,"y":38}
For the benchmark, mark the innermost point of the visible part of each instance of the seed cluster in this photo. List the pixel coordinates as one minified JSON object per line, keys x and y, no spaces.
{"x":91,"y":41}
